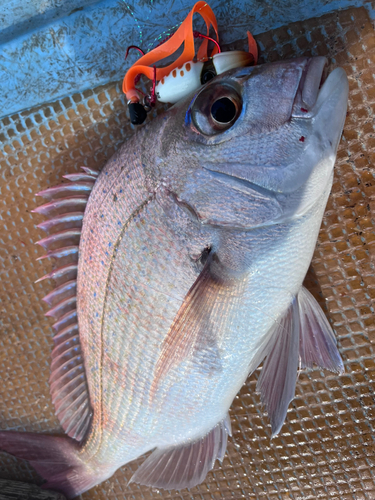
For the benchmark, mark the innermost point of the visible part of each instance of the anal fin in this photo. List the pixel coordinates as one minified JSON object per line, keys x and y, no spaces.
{"x":278,"y":377}
{"x":186,"y":465}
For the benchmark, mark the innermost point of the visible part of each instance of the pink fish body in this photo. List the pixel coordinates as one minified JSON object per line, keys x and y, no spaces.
{"x":186,"y":275}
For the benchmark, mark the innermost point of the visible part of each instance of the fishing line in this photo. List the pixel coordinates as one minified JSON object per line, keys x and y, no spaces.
{"x":136,"y":21}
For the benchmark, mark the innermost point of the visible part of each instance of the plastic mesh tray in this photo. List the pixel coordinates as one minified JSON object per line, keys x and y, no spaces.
{"x":326,"y":448}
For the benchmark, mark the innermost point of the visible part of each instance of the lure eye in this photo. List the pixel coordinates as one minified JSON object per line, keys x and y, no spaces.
{"x":223,"y":110}
{"x":216,"y":108}
{"x":207,"y":76}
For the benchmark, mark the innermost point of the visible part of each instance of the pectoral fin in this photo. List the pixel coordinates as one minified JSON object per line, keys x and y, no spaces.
{"x":187,"y":465}
{"x":302,"y":337}
{"x":200,"y":321}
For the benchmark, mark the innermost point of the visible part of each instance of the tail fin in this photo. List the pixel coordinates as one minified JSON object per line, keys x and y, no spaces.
{"x":56,"y":459}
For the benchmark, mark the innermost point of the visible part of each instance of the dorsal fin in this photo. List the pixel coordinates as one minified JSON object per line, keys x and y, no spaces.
{"x":68,"y":383}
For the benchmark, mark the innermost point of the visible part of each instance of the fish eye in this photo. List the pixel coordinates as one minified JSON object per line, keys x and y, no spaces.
{"x":216,"y":108}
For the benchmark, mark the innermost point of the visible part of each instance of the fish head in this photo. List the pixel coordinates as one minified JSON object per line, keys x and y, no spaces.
{"x":255,"y":145}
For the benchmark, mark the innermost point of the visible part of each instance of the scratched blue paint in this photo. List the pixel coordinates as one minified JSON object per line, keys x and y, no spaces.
{"x":18,"y":17}
{"x":49,"y":50}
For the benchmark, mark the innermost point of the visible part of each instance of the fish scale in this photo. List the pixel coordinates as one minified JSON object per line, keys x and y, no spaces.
{"x":145,"y":321}
{"x":127,"y":264}
{"x":93,"y":276}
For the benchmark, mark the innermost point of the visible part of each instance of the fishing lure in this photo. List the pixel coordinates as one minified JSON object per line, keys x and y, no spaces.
{"x":186,"y":73}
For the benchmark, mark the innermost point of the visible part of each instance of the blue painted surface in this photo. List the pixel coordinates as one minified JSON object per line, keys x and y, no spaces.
{"x":18,"y":17}
{"x":64,"y":50}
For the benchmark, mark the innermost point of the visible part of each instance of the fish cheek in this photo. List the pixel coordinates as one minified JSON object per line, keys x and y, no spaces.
{"x":223,"y":202}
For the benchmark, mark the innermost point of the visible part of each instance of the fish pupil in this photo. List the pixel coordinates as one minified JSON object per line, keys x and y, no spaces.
{"x":223,"y":110}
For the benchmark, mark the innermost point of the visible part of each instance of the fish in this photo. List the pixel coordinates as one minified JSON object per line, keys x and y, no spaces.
{"x":181,"y":271}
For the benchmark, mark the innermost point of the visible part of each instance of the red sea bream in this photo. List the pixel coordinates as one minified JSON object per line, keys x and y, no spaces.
{"x":186,"y":275}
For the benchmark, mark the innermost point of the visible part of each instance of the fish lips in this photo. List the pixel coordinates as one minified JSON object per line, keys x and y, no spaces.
{"x":329,"y":109}
{"x":313,"y":76}
{"x":323,"y":98}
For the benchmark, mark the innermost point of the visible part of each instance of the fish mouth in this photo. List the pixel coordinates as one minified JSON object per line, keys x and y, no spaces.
{"x":317,"y":83}
{"x":313,"y":77}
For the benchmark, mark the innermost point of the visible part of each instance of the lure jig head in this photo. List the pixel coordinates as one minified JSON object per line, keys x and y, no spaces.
{"x":188,"y":72}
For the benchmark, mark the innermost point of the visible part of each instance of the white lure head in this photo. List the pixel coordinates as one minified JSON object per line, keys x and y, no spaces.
{"x":184,"y":80}
{"x":180,"y":82}
{"x":224,"y":61}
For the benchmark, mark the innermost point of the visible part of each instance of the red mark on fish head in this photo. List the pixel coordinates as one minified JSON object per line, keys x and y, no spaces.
{"x":304,"y":110}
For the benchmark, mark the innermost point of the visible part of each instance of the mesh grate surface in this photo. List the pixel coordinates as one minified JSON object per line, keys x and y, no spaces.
{"x":326,"y":449}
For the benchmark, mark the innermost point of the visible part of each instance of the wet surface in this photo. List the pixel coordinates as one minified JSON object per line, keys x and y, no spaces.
{"x":326,"y":448}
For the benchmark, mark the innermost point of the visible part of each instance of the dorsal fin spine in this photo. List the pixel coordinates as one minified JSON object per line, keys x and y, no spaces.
{"x":66,"y":272}
{"x":60,"y":309}
{"x":62,"y":291}
{"x":68,"y":383}
{"x":65,"y":321}
{"x":66,"y":234}
{"x":56,"y":207}
{"x":61,"y":252}
{"x":66,"y":332}
{"x":63,"y":189}
{"x":73,"y":219}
